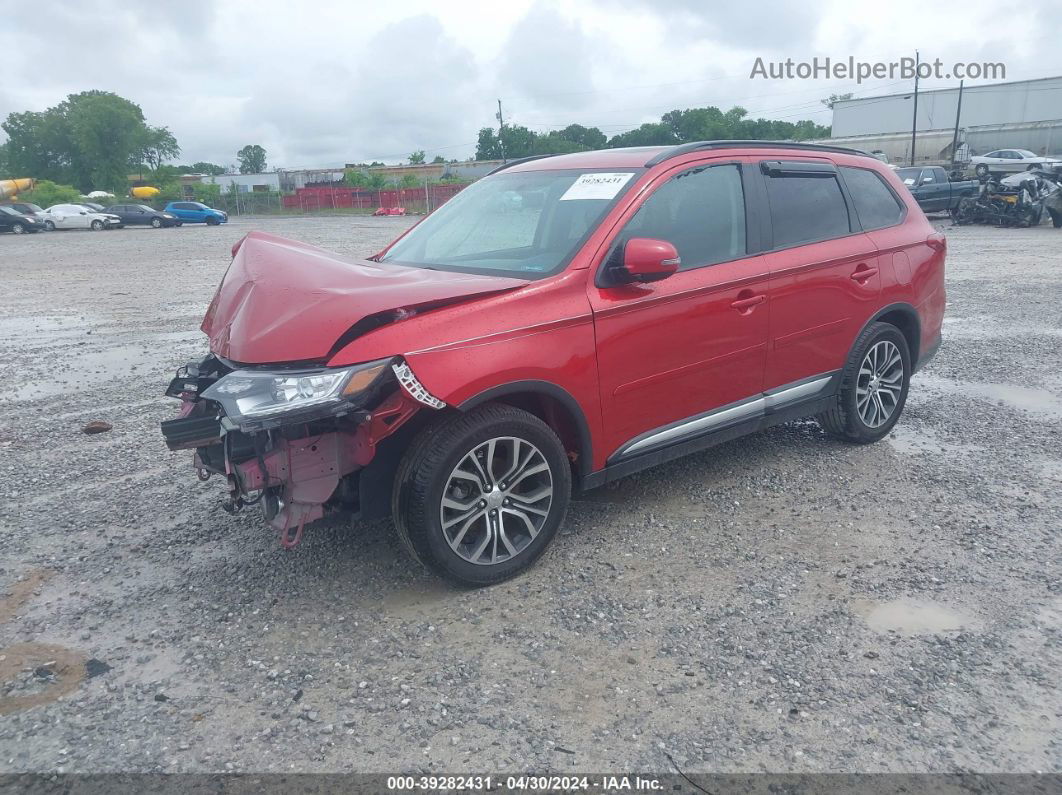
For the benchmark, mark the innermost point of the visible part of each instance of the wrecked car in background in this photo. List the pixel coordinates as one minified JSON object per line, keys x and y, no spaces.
{"x":566,"y":322}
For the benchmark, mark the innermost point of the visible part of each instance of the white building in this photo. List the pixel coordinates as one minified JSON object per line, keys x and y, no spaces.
{"x":1025,"y":114}
{"x":244,"y":183}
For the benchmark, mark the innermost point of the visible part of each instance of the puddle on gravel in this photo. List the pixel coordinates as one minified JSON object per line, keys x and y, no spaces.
{"x":79,"y":369}
{"x":905,"y":439}
{"x":32,"y":674}
{"x":1031,"y":399}
{"x":23,"y":327}
{"x":906,"y":616}
{"x":20,"y":593}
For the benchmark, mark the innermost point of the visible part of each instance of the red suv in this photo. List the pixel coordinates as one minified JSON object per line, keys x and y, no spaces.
{"x":562,"y":323}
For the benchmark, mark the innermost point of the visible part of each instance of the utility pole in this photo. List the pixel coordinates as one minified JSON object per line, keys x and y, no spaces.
{"x":914,"y":116}
{"x":955,"y":137}
{"x":501,"y":130}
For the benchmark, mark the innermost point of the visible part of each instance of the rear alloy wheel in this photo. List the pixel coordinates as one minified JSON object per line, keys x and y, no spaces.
{"x":479,"y":496}
{"x":97,"y":226}
{"x":874,"y":387}
{"x":18,"y":228}
{"x":156,"y":222}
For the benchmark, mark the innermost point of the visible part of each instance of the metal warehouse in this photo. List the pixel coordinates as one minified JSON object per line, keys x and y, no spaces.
{"x":1025,"y":114}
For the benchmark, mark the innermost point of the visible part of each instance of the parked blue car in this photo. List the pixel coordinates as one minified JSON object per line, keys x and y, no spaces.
{"x":195,"y":212}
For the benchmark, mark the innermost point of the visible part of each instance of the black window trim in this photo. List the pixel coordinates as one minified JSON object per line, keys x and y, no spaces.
{"x":825,"y":170}
{"x":753,"y":234}
{"x":899,"y":200}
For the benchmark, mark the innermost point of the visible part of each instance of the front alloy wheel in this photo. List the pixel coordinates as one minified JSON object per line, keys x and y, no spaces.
{"x":496,"y":500}
{"x":479,"y":496}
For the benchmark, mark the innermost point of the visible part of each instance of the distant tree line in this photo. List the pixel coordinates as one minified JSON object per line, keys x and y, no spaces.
{"x":94,"y":140}
{"x":674,"y":127}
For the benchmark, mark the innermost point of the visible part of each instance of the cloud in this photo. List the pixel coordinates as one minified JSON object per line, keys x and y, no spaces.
{"x":337,"y":82}
{"x":547,"y":59}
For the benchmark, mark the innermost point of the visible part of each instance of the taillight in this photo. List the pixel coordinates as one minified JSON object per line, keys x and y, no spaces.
{"x":937,"y":242}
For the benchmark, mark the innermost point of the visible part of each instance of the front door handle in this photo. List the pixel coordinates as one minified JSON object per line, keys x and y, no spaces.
{"x":744,"y":305}
{"x":863,"y":272}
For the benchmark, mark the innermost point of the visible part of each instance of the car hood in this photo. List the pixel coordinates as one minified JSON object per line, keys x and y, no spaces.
{"x":283,"y":301}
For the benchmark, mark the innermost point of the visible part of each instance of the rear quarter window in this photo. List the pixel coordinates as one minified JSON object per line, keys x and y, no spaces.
{"x":875,"y":204}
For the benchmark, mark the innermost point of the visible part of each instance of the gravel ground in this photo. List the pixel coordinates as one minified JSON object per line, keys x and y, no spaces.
{"x":782,"y":603}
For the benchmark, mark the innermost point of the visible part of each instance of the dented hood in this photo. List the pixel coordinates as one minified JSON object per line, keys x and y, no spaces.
{"x":285,"y":301}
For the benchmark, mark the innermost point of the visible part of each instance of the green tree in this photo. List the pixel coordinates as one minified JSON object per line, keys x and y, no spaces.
{"x":5,"y":171}
{"x":356,"y":179}
{"x":377,"y":181}
{"x":408,"y":181}
{"x":252,"y":159}
{"x":416,"y":158}
{"x":652,"y":134}
{"x":90,"y":140}
{"x":158,"y":146}
{"x":45,"y":193}
{"x":434,"y":160}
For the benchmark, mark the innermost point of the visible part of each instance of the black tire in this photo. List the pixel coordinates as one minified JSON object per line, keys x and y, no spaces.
{"x":156,"y":223}
{"x":18,"y":228}
{"x":981,"y":170}
{"x":1056,"y":218}
{"x":425,"y":473}
{"x":844,"y":420}
{"x":97,"y":226}
{"x":213,"y":222}
{"x":49,"y":226}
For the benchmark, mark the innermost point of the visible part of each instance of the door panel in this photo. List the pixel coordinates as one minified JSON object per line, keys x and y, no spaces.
{"x":676,"y":348}
{"x":697,"y":340}
{"x":821,"y":295}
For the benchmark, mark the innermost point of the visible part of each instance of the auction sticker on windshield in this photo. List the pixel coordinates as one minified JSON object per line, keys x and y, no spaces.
{"x":597,"y":186}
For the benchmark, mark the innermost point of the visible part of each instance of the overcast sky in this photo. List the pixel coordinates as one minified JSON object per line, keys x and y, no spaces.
{"x":324,"y":83}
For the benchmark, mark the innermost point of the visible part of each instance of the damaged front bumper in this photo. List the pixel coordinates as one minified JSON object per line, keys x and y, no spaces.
{"x":291,"y":440}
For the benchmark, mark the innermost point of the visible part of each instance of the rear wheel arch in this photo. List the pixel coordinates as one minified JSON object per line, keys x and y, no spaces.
{"x":552,"y":404}
{"x":905,"y":318}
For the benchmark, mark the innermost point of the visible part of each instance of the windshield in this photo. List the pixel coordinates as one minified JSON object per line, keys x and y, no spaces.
{"x":514,"y":224}
{"x":908,"y":176}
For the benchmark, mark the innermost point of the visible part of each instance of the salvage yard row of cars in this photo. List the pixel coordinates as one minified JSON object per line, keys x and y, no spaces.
{"x":23,"y":217}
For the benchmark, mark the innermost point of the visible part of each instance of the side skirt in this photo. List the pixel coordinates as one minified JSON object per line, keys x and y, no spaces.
{"x":773,"y":412}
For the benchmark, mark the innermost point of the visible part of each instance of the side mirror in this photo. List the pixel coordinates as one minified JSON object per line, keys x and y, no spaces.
{"x":648,"y":260}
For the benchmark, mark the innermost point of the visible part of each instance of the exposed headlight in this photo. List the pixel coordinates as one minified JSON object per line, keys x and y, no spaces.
{"x":167,"y":215}
{"x":257,"y":399}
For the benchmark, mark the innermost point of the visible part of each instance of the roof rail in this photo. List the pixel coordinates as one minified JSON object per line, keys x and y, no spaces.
{"x":516,"y":162}
{"x":696,"y":146}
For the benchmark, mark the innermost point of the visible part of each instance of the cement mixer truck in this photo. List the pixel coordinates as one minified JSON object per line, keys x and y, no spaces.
{"x":9,"y":188}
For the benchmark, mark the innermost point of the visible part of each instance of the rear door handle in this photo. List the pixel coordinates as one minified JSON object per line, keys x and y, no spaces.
{"x":743,"y":304}
{"x":863,"y":273}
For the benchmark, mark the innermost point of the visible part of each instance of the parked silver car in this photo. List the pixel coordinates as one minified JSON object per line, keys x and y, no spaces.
{"x":1009,"y":161}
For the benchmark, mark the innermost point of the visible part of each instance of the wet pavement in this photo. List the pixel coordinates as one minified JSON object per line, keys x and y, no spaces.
{"x":783,"y":602}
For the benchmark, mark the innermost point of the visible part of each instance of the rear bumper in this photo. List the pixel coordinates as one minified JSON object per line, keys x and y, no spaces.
{"x":927,"y":355}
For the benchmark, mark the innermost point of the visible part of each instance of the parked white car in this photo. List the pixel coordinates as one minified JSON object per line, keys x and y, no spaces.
{"x":1010,"y":160}
{"x":77,"y":216}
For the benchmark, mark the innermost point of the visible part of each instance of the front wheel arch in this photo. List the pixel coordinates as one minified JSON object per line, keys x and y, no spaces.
{"x":552,"y":404}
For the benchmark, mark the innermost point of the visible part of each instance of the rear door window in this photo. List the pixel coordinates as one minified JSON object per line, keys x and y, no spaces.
{"x":806,"y":208}
{"x":875,"y":204}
